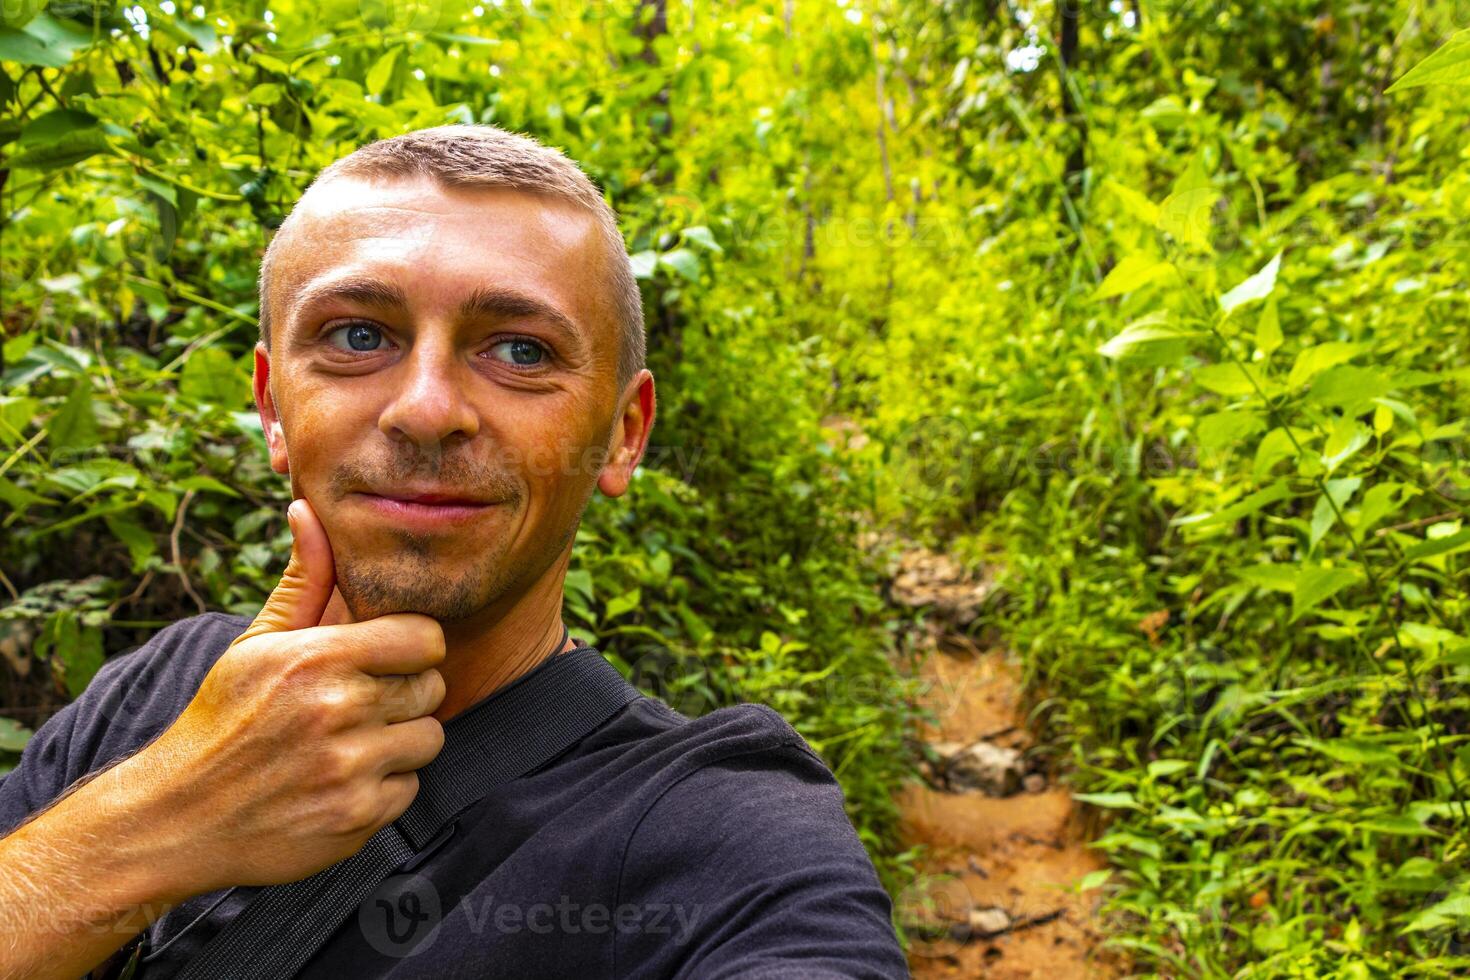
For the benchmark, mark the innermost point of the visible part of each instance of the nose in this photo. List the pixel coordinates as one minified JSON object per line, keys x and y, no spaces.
{"x":429,"y":406}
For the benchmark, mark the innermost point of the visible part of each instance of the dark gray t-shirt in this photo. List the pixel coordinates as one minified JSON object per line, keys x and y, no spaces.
{"x":658,"y":846}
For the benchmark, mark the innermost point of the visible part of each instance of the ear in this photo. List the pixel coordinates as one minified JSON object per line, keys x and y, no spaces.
{"x":629,"y":436}
{"x":270,"y":420}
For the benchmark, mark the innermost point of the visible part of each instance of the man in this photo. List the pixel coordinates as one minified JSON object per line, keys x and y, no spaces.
{"x":451,"y":359}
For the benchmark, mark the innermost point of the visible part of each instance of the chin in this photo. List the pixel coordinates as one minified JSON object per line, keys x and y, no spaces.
{"x":369,"y":594}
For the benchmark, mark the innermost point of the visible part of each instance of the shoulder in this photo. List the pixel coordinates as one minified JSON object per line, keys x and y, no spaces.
{"x":724,"y":732}
{"x":133,"y":698}
{"x":742,"y":765}
{"x":751,"y":842}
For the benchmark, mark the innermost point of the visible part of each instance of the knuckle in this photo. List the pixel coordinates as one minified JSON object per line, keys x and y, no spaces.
{"x":435,"y":687}
{"x":433,"y":734}
{"x":421,"y":693}
{"x":340,"y":765}
{"x":358,"y":813}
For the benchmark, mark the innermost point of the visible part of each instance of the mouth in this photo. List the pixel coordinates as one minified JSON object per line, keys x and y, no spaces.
{"x":424,"y":510}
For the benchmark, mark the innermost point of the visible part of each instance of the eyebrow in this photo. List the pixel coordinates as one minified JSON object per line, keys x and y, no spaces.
{"x":484,"y":301}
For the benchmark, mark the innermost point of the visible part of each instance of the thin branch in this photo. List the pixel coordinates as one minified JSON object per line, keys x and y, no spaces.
{"x":9,"y":587}
{"x":173,"y":540}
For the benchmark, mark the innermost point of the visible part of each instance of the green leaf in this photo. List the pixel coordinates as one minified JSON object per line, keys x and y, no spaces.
{"x":202,"y":34}
{"x":1323,"y":516}
{"x":1133,"y":272}
{"x":18,"y":13}
{"x":270,"y":63}
{"x":1263,"y":497}
{"x":1355,"y":752}
{"x":266,"y":94}
{"x":205,"y":483}
{"x":1268,"y":330}
{"x":1452,"y":913}
{"x":13,"y":735}
{"x":1431,"y":639}
{"x":1151,"y":339}
{"x":1135,"y":204}
{"x":54,"y":125}
{"x":382,"y":70}
{"x":701,"y":236}
{"x":1221,"y":429}
{"x":626,"y":602}
{"x":1227,"y":379}
{"x":44,"y":41}
{"x":1448,"y":545}
{"x":1381,"y":500}
{"x":211,"y":375}
{"x":77,"y":649}
{"x":1276,"y":578}
{"x":1275,"y":447}
{"x":643,"y":263}
{"x":65,"y":151}
{"x":74,"y":426}
{"x":1315,"y":585}
{"x":473,"y":40}
{"x":1349,"y":387}
{"x":140,"y":542}
{"x":1110,"y":801}
{"x":1312,"y":361}
{"x":1258,"y":286}
{"x":1448,"y":65}
{"x":682,"y":261}
{"x":1346,"y":438}
{"x":1398,"y":825}
{"x":16,"y":415}
{"x":1186,"y":213}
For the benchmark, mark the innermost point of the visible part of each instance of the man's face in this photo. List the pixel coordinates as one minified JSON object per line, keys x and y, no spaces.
{"x":454,"y":341}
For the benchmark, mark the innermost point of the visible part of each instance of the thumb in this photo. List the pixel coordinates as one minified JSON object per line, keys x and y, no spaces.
{"x":300,"y":598}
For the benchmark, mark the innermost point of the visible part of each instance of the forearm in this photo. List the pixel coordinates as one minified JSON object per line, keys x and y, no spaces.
{"x":85,"y":876}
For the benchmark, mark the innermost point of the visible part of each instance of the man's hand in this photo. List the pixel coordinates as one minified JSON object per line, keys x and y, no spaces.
{"x":300,"y":744}
{"x":303,"y":739}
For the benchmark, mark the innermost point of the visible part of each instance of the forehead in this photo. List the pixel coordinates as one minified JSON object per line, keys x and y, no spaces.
{"x":436,"y":241}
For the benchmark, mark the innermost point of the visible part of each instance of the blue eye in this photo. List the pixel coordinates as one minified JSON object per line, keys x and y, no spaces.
{"x":522,"y":353}
{"x":362,"y":337}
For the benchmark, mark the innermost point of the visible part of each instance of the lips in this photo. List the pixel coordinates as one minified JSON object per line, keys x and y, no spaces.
{"x":425,"y":511}
{"x":435,"y":498}
{"x":459,"y":499}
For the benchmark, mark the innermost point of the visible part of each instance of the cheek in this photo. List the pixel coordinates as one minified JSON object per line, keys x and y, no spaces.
{"x":320,"y":424}
{"x":560,"y":455}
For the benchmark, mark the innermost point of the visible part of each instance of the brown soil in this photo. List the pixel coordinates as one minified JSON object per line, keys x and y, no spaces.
{"x":1020,"y":854}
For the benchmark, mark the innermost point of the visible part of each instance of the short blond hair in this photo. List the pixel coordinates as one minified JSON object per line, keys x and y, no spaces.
{"x":481,"y":155}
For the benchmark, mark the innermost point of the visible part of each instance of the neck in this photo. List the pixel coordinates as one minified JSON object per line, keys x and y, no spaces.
{"x":498,"y":644}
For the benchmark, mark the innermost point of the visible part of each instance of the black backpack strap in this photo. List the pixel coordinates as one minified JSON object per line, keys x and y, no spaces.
{"x":513,"y":732}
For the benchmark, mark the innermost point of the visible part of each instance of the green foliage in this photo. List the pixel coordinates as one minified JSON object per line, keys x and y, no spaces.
{"x":1172,"y":336}
{"x":1209,"y":399}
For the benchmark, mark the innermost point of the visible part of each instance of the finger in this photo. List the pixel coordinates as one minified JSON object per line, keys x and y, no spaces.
{"x":398,"y":643}
{"x":300,"y":598}
{"x":408,"y":745}
{"x":401,"y":697}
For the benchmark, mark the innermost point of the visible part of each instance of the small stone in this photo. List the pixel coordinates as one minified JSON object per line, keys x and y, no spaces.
{"x":991,"y":769}
{"x":989,"y":922}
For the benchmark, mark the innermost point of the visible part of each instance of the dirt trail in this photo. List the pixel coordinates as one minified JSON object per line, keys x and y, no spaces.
{"x":1006,"y":842}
